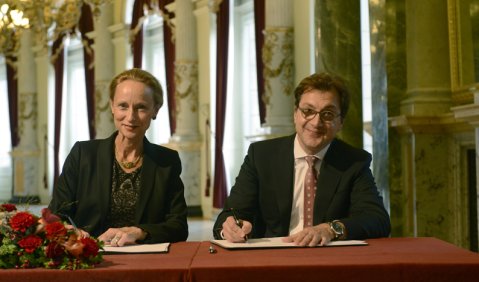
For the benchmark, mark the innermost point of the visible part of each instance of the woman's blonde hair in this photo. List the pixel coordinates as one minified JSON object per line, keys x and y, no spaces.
{"x":141,"y":76}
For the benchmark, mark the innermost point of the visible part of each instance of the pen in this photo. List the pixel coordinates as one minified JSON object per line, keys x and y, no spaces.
{"x":70,"y":220}
{"x":238,"y":222}
{"x":72,"y":223}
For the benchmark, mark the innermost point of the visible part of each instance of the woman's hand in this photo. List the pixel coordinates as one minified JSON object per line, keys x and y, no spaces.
{"x":79,"y":232}
{"x":117,"y":237}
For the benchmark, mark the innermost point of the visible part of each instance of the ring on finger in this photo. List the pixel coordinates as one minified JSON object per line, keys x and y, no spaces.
{"x":115,"y":239}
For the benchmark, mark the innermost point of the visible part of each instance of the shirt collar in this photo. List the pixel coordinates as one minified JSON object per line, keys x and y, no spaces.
{"x":300,"y":153}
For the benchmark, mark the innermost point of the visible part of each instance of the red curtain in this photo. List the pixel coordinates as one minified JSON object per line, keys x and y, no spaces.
{"x":222,"y":22}
{"x":137,"y":44}
{"x":85,"y":26}
{"x":259,"y":11}
{"x":169,"y":66}
{"x":137,"y":50}
{"x":12,"y":85}
{"x":57,"y":48}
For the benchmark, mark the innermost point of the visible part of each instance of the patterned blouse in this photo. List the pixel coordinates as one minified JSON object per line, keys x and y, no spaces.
{"x":124,"y":196}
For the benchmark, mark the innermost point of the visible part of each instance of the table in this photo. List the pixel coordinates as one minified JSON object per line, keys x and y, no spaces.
{"x":387,"y":259}
{"x":171,"y":266}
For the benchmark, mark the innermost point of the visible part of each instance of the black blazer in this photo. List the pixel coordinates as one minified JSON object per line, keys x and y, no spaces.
{"x":263,"y":192}
{"x":84,"y":188}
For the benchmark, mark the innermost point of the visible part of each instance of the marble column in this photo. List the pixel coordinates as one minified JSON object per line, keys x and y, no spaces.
{"x":45,"y":184}
{"x":428,"y":157}
{"x":278,"y":60}
{"x":470,"y":114}
{"x":338,"y":51}
{"x":104,"y":70}
{"x":205,"y":22}
{"x":26,"y":154}
{"x":379,"y":98}
{"x":186,"y":139}
{"x":396,"y":92}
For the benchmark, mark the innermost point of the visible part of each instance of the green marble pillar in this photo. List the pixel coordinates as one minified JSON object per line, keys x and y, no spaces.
{"x":396,"y":89}
{"x":428,"y":94}
{"x":423,"y":202}
{"x":379,"y":98}
{"x":338,"y":50}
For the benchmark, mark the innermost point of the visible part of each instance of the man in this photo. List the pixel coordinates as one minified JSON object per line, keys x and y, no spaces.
{"x":341,"y":199}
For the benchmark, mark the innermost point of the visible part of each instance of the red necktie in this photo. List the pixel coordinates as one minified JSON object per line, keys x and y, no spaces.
{"x":309,"y":191}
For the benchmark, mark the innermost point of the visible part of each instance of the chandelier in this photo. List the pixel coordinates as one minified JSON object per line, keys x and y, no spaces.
{"x":47,"y":19}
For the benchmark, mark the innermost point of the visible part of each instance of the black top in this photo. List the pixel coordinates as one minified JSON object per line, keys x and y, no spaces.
{"x":84,"y":190}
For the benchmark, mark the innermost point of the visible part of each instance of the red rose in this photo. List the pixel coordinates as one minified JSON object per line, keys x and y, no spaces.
{"x":55,"y":230}
{"x":54,"y":250}
{"x":21,"y":221}
{"x":90,"y":247}
{"x":30,"y":243}
{"x":8,"y":207}
{"x":48,"y":216}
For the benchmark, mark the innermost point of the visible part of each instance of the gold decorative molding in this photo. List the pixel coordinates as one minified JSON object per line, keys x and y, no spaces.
{"x":215,"y":5}
{"x":278,"y":60}
{"x":186,"y":84}
{"x":464,"y":95}
{"x":102,"y":105}
{"x":27,"y":111}
{"x":454,"y":43}
{"x":462,"y":91}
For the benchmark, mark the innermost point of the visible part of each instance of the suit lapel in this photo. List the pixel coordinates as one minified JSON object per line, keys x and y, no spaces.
{"x":104,"y":171}
{"x":326,"y":188}
{"x":147,"y":178}
{"x":284,"y":165}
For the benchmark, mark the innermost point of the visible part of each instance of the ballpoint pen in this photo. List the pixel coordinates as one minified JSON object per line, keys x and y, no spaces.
{"x":72,"y":223}
{"x":239,"y":222}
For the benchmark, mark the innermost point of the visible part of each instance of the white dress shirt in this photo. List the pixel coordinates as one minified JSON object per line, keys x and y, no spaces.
{"x":300,"y":168}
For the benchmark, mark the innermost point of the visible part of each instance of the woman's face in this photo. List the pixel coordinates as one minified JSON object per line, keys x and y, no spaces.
{"x":133,"y":107}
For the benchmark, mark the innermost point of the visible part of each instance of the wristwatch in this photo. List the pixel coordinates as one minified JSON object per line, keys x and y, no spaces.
{"x":338,"y":229}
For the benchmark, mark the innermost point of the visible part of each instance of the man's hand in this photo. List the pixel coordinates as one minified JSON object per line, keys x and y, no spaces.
{"x":312,"y":236}
{"x":117,"y":237}
{"x":233,"y":233}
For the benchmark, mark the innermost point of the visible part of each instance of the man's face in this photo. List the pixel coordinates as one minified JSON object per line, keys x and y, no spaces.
{"x":314,"y":132}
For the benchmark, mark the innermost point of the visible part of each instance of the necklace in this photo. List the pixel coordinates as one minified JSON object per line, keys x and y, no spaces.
{"x":126,"y":164}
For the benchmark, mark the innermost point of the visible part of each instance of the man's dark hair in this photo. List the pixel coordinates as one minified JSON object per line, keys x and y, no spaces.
{"x":324,"y":82}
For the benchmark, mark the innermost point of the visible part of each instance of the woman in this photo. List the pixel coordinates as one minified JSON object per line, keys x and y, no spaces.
{"x":124,"y":189}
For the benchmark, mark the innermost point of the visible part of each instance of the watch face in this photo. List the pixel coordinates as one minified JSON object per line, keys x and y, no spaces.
{"x":338,"y":228}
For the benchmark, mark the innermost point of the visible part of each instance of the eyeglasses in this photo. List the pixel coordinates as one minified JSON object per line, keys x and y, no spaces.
{"x":325,"y":116}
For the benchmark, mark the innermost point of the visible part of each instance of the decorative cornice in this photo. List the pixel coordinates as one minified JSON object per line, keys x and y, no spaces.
{"x":464,"y":95}
{"x":468,"y":113}
{"x":446,"y":123}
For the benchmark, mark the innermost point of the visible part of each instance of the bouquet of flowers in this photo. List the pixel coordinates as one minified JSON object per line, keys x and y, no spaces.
{"x":28,"y":241}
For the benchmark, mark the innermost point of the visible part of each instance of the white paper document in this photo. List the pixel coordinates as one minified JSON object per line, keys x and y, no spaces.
{"x":132,"y":249}
{"x":277,"y":242}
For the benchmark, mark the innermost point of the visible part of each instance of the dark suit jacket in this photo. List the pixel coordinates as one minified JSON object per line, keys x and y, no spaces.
{"x":84,"y":188}
{"x":263,"y":192}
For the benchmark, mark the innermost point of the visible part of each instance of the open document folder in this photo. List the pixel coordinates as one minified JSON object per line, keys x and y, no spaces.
{"x":138,"y":249}
{"x":277,"y":242}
